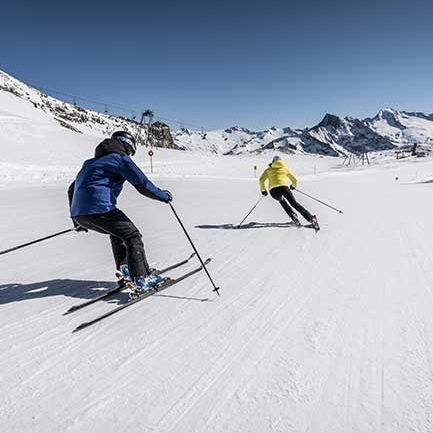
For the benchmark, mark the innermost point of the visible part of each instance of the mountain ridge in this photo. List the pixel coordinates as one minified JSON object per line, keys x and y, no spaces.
{"x":332,"y":136}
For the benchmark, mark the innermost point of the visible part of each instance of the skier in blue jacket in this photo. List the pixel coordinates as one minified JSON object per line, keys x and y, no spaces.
{"x":93,"y":198}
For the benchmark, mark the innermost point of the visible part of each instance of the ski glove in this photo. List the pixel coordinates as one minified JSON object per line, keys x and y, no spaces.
{"x":292,"y":187}
{"x":170,"y":196}
{"x":264,"y":193}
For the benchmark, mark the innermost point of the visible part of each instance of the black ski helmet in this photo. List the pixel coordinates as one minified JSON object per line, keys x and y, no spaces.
{"x":126,"y":138}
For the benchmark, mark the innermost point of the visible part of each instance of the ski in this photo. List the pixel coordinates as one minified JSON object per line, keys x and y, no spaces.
{"x":312,"y":226}
{"x":160,"y":288}
{"x":122,"y":284}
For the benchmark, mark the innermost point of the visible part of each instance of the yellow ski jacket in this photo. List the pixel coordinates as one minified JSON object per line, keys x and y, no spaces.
{"x":277,"y":174}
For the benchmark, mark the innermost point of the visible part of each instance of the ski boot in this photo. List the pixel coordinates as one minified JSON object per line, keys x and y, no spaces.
{"x":123,"y":276}
{"x":124,"y":270}
{"x":145,"y":285}
{"x":314,"y":223}
{"x":295,"y":220}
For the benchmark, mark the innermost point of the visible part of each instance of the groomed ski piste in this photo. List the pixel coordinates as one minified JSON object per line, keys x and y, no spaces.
{"x":313,"y":332}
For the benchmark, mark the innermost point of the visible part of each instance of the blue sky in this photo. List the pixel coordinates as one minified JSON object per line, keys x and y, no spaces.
{"x":217,"y":64}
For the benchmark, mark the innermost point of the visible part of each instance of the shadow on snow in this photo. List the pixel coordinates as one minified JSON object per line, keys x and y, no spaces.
{"x":251,"y":225}
{"x":82,"y":289}
{"x":86,"y":289}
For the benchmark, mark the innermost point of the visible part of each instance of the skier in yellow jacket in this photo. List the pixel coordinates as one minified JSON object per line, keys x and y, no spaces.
{"x":277,"y":174}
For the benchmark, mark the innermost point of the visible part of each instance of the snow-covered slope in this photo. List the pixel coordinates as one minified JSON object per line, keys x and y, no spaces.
{"x":326,"y":332}
{"x":67,"y":115}
{"x":313,"y":332}
{"x":75,"y":118}
{"x":32,"y":140}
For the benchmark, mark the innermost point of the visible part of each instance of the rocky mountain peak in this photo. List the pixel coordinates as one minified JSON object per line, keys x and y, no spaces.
{"x":330,"y":120}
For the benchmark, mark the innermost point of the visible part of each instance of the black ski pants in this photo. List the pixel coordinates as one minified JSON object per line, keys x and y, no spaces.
{"x":125,"y":239}
{"x":283,"y":193}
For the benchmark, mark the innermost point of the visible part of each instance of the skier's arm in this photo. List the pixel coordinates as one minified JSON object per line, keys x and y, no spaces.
{"x":162,"y":195}
{"x":262,"y":181}
{"x":292,"y":178}
{"x":132,"y":173}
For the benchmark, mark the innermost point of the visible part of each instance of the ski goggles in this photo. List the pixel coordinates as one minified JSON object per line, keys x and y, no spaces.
{"x":131,"y":146}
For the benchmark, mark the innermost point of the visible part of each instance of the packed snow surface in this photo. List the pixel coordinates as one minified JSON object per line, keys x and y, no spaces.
{"x":313,"y":332}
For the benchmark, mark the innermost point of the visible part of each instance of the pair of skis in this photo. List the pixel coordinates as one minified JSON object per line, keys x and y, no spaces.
{"x":122,"y":284}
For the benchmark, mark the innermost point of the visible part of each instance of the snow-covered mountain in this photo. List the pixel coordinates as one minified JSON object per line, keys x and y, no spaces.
{"x":333,"y":136}
{"x":403,"y":127}
{"x":67,"y":115}
{"x":81,"y":120}
{"x":338,"y":135}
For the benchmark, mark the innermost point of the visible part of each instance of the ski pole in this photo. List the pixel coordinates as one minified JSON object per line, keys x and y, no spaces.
{"x":248,"y":214}
{"x":215,"y":289}
{"x":36,"y":241}
{"x":320,"y":201}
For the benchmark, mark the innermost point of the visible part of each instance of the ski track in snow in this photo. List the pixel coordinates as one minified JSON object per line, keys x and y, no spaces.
{"x":313,"y":332}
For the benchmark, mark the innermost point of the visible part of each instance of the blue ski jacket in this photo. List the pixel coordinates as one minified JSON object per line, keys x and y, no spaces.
{"x":100,"y":181}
